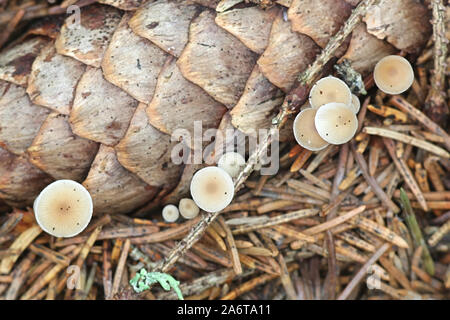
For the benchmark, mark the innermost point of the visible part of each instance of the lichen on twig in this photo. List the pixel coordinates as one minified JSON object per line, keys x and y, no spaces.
{"x":143,"y":280}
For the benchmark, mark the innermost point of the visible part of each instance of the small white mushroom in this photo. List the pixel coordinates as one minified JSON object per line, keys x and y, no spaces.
{"x":231,"y":162}
{"x":212,"y":189}
{"x":170,"y":213}
{"x":188,"y":208}
{"x":64,"y":208}
{"x":336,"y":123}
{"x":393,"y":74}
{"x":356,"y":104}
{"x":305,"y":132}
{"x":329,"y":89}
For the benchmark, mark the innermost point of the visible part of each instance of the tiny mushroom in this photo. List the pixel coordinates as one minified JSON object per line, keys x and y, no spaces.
{"x":188,"y":208}
{"x":356,"y":104}
{"x":170,"y":213}
{"x":64,"y":208}
{"x":393,"y":74}
{"x":329,"y":89}
{"x":336,"y":123}
{"x":305,"y":131}
{"x":212,"y":189}
{"x":231,"y":162}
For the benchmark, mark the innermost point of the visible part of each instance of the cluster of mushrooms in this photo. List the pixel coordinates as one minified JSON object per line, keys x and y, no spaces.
{"x":64,"y":208}
{"x":331,"y":116}
{"x":212,"y":189}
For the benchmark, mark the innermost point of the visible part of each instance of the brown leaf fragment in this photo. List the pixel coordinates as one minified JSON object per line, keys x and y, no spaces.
{"x":146,"y":152}
{"x":132,"y":63}
{"x":86,"y":40}
{"x":53,"y":80}
{"x":319,"y":20}
{"x":215,"y":60}
{"x":178,"y":104}
{"x":287,"y":54}
{"x":113,"y":188}
{"x":59,"y":152}
{"x":258,"y":105}
{"x":16,"y":61}
{"x":100,"y":111}
{"x":404,"y":23}
{"x":251,"y":25}
{"x":20,"y":182}
{"x":127,"y":5}
{"x":165,"y":23}
{"x":365,"y":50}
{"x":20,"y":119}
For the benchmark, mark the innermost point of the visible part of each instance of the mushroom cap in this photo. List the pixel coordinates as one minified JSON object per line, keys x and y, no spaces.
{"x":305,"y":132}
{"x":231,"y":162}
{"x":329,"y":89}
{"x":336,"y":123}
{"x":212,"y":189}
{"x":393,"y":74}
{"x":170,"y":213}
{"x":356,"y":104}
{"x":188,"y":208}
{"x":64,"y":208}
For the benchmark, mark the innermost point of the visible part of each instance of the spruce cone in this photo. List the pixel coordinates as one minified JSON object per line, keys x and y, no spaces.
{"x":97,"y":102}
